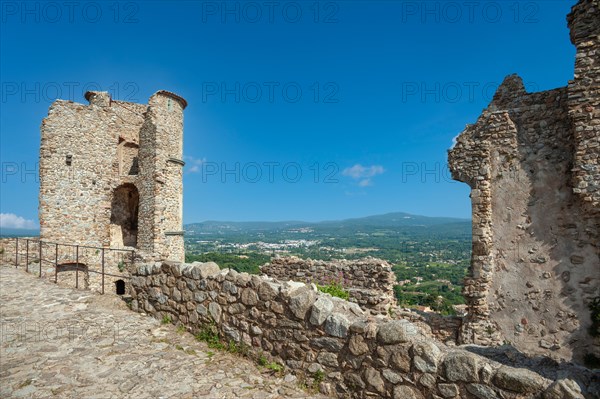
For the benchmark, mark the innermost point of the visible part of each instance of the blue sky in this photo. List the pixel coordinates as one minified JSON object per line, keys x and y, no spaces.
{"x":297,"y":109}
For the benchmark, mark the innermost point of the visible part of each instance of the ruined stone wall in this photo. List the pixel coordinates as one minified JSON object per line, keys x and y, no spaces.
{"x":336,"y":345}
{"x":536,"y":259}
{"x":103,"y":182}
{"x":369,"y":281}
{"x":75,"y":198}
{"x":584,"y":102}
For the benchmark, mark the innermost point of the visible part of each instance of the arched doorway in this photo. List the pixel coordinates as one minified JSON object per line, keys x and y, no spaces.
{"x":124,"y":216}
{"x":120,"y":287}
{"x":73,"y":274}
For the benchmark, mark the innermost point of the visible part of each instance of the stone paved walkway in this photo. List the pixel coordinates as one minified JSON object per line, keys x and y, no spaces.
{"x":60,"y":342}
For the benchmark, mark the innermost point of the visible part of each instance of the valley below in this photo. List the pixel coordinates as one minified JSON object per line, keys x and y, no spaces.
{"x":430,"y":255}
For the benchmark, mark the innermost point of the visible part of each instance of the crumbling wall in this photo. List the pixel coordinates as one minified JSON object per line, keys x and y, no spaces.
{"x":535,"y":266}
{"x":584,"y":103}
{"x":333,"y":343}
{"x":369,"y":281}
{"x":76,"y":172}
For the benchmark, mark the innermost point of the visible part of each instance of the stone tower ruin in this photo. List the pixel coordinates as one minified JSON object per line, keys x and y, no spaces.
{"x":111,"y":174}
{"x":532,"y":162}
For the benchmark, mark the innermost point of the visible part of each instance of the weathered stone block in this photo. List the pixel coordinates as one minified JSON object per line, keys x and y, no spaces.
{"x":519,"y":380}
{"x":301,"y":301}
{"x":407,"y":392}
{"x":321,"y":310}
{"x":357,"y":345}
{"x":215,"y":311}
{"x":249,"y":297}
{"x":462,"y":366}
{"x":337,"y":325}
{"x":396,"y":331}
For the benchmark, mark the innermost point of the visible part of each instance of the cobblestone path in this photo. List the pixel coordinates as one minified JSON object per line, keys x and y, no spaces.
{"x":64,"y":343}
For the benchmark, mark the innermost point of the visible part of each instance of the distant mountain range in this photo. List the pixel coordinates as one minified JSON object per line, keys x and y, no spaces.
{"x":388,"y":220}
{"x":10,"y":232}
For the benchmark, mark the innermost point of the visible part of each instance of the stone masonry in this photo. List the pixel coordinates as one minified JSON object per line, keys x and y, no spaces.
{"x":63,"y":343}
{"x":111,"y":175}
{"x":337,"y":346}
{"x":532,"y":162}
{"x":369,"y":281}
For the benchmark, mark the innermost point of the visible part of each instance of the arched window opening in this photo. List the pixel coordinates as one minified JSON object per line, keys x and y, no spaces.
{"x":124,"y":216}
{"x":120,"y":287}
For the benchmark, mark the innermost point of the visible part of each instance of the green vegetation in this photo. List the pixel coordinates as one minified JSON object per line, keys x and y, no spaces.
{"x":334,"y":289}
{"x":166,"y":319}
{"x":275,"y":367}
{"x":181,"y":329}
{"x":318,"y":377}
{"x":430,"y":256}
{"x":121,"y":266}
{"x":209,"y":333}
{"x":247,"y":262}
{"x":437,"y":285}
{"x":262,"y":360}
{"x":241,"y":348}
{"x":311,"y":382}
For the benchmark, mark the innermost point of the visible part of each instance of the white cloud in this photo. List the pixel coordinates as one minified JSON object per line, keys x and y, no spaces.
{"x":454,"y":141}
{"x":363,"y":174}
{"x":12,"y":221}
{"x":194,"y":163}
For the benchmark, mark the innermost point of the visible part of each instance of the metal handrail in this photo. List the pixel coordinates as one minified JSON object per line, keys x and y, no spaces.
{"x":40,"y":259}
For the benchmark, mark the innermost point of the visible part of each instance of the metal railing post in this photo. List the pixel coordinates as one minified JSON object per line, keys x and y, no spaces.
{"x":17,"y":252}
{"x":77,"y":266}
{"x":56,"y":265}
{"x":102,"y":270}
{"x":40,"y":258}
{"x":27,"y":255}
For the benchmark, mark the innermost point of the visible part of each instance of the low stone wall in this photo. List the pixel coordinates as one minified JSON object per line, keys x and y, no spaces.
{"x":370,"y":281}
{"x":333,"y":342}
